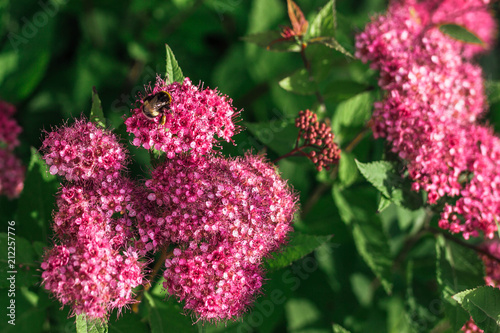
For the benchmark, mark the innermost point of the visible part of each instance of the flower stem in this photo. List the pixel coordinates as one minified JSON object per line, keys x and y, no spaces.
{"x":164,"y":255}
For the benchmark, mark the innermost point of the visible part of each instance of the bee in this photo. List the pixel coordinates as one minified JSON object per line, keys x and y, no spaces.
{"x":155,"y":105}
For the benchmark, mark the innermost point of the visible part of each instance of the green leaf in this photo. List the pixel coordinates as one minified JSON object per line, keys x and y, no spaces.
{"x":31,"y":53}
{"x":299,"y":246}
{"x":383,"y":204}
{"x":128,"y":322}
{"x":174,"y":72}
{"x":369,"y":237}
{"x":460,"y":33}
{"x":36,"y":202}
{"x":96,"y":114}
{"x":483,"y":304}
{"x":18,"y":257}
{"x":493,"y":91}
{"x":165,"y":316}
{"x":278,"y":135}
{"x":331,"y":43}
{"x":458,"y":268}
{"x":299,"y":83}
{"x":339,"y":329}
{"x":351,"y":115}
{"x":343,"y":89}
{"x":348,"y":171}
{"x":383,"y":176}
{"x":86,"y":325}
{"x":272,"y":41}
{"x":325,"y":23}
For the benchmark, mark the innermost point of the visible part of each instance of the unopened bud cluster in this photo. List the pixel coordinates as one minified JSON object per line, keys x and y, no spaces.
{"x":318,"y":137}
{"x":220,"y":216}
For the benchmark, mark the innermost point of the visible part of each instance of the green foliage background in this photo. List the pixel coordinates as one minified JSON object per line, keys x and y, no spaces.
{"x":366,"y":255}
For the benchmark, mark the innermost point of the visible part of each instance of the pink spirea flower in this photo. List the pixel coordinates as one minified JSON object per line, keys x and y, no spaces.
{"x":12,"y":174}
{"x":85,"y":210}
{"x":434,"y":98}
{"x":242,"y":199}
{"x":212,"y":281}
{"x":9,"y":129}
{"x":194,"y":118}
{"x":91,"y":277}
{"x":83,"y":151}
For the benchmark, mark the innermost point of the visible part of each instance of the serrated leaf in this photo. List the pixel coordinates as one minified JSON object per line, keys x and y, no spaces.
{"x":483,"y":304}
{"x":272,"y":41}
{"x":36,"y":202}
{"x":299,"y":83}
{"x":460,"y":33}
{"x":96,"y":114}
{"x":299,"y":246}
{"x":332,"y":43}
{"x":324,"y":24}
{"x":369,"y":237}
{"x":383,"y":204}
{"x":86,"y":325}
{"x":383,"y":176}
{"x":343,"y":89}
{"x":173,"y":70}
{"x":339,"y":329}
{"x":458,"y":268}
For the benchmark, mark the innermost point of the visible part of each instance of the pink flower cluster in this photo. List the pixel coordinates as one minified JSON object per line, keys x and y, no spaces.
{"x":12,"y":175}
{"x":94,"y":269}
{"x":193,"y":119}
{"x":225,"y":215}
{"x":221,"y":216}
{"x":83,"y":151}
{"x":434,"y":97}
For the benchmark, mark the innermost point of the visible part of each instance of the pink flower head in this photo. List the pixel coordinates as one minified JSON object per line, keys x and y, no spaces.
{"x":433,"y":99}
{"x":189,"y":123}
{"x":9,"y":129}
{"x":83,"y":152}
{"x":92,"y":277}
{"x":241,"y":199}
{"x":86,"y":210}
{"x":12,"y":175}
{"x":211,"y":281}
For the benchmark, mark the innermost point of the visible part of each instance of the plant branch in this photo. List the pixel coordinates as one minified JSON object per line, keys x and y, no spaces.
{"x":164,"y":255}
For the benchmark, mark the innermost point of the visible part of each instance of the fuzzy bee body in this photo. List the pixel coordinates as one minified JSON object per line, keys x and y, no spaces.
{"x":156,"y":104}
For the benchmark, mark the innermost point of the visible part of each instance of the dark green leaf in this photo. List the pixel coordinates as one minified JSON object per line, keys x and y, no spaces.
{"x":86,"y":325}
{"x":460,"y":33}
{"x":96,"y":114}
{"x":299,"y":83}
{"x":483,"y":304}
{"x":165,"y":316}
{"x":383,"y":176}
{"x":343,"y":89}
{"x":299,"y":246}
{"x":32,"y":53}
{"x":324,"y":23}
{"x":458,"y":268}
{"x":351,"y":115}
{"x":272,"y":41}
{"x":331,"y":43}
{"x":278,"y":135}
{"x":128,"y":322}
{"x":174,"y":72}
{"x":37,"y":200}
{"x":368,"y":234}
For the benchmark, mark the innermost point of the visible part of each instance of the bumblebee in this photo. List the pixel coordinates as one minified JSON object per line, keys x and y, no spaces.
{"x":155,"y":105}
